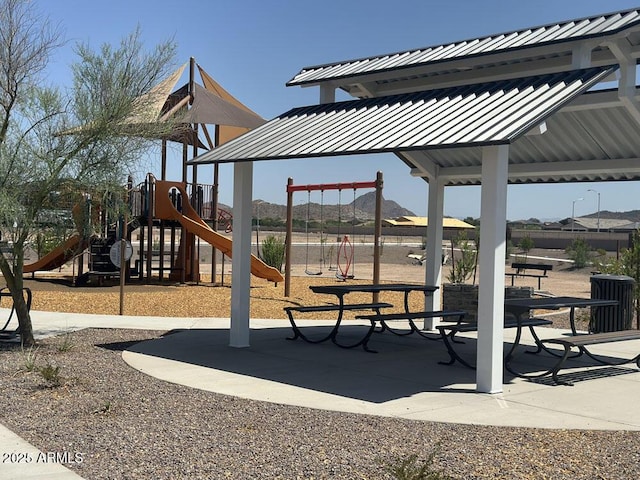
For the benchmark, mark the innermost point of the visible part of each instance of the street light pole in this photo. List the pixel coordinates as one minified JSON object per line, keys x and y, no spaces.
{"x":573,"y":212}
{"x":598,"y":193}
{"x":258,"y":203}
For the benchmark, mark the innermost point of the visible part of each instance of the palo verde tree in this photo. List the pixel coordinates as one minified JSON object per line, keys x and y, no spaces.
{"x":50,"y":139}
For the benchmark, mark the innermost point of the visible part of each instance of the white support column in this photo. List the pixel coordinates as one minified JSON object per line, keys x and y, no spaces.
{"x":327,"y":93}
{"x":433,"y":273}
{"x":241,"y":254}
{"x":493,"y":220}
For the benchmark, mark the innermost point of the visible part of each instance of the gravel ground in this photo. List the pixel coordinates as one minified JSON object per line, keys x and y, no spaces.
{"x":124,"y":424}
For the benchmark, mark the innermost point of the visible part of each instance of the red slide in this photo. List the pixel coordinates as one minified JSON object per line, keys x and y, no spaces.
{"x":192,"y":222}
{"x":59,"y":255}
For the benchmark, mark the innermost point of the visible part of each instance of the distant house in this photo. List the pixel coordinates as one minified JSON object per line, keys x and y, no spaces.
{"x":422,"y":222}
{"x":589,"y":224}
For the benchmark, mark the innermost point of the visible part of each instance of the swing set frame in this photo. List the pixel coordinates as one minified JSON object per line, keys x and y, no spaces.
{"x":291,"y":189}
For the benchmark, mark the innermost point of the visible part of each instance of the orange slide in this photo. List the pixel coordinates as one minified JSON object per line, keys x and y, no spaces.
{"x":192,"y":222}
{"x":59,"y":255}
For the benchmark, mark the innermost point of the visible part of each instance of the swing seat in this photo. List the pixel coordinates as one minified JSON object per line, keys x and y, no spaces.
{"x":344,"y":278}
{"x":345,"y":250}
{"x":308,"y":272}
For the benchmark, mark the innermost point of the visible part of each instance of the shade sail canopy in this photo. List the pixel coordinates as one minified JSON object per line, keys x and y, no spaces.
{"x":178,"y":110}
{"x":210,"y":109}
{"x":474,"y":115}
{"x":224,"y":133}
{"x":148,"y":107}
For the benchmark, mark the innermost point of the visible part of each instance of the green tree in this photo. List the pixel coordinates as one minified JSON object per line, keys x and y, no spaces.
{"x":580,"y":252}
{"x":526,"y":245}
{"x":472,"y":221}
{"x":49,"y":139}
{"x":628,"y":263}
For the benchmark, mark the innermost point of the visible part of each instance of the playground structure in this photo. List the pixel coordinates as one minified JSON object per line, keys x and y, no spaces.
{"x":168,"y":197}
{"x":345,"y":251}
{"x":157,"y":208}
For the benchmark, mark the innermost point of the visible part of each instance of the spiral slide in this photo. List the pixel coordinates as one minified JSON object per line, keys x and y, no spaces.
{"x":191,"y":221}
{"x":59,"y":255}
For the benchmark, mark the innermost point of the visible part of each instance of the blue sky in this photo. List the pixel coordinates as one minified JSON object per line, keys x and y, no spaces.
{"x":253,"y":47}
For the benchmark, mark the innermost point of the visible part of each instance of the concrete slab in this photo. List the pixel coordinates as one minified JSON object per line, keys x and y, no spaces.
{"x":404,"y":379}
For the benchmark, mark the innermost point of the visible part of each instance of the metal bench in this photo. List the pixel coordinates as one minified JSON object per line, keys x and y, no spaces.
{"x":448,"y":333}
{"x":521,"y":269}
{"x":582,"y":341}
{"x":334,"y":331}
{"x":383,"y":318}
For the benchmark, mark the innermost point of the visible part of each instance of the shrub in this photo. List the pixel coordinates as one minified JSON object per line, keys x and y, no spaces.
{"x":627,"y":264}
{"x":410,"y":469}
{"x":580,"y":252}
{"x":526,"y":244}
{"x":29,"y":357}
{"x":51,"y":373}
{"x":462,"y":267}
{"x":67,"y":344}
{"x":273,"y":251}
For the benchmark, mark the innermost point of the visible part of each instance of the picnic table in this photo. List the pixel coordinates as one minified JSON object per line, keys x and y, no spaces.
{"x":520,"y":270}
{"x":4,"y":292}
{"x":340,"y":291}
{"x":521,"y":309}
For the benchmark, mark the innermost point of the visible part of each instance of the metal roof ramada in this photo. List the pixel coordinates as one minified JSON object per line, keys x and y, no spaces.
{"x":555,"y":33}
{"x":473,"y":115}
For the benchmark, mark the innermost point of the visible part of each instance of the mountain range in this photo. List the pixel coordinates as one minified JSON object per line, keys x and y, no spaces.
{"x":631,"y":215}
{"x":363,"y":209}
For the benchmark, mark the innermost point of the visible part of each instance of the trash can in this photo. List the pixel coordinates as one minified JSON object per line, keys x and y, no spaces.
{"x":612,"y":287}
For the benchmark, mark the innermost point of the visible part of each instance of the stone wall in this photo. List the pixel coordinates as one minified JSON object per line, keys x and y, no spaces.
{"x":457,"y":296}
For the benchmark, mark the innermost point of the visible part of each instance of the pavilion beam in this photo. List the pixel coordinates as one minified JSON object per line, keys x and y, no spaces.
{"x":241,"y":254}
{"x":627,"y":82}
{"x":422,"y":167}
{"x":581,"y":55}
{"x":433,"y":273}
{"x":493,"y":212}
{"x":624,"y":168}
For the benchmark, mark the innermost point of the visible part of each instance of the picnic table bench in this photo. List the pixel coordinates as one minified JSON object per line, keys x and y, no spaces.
{"x":383,"y":318}
{"x":332,"y":335}
{"x":449,"y":331}
{"x":522,"y":268}
{"x":581,"y":342}
{"x":342,"y":290}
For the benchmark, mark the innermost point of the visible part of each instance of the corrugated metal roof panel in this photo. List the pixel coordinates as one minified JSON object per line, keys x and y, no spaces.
{"x":583,"y":28}
{"x":482,"y":114}
{"x":607,"y":136}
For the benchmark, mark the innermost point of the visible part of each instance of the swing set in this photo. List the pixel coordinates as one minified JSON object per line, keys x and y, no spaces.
{"x":345,"y":255}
